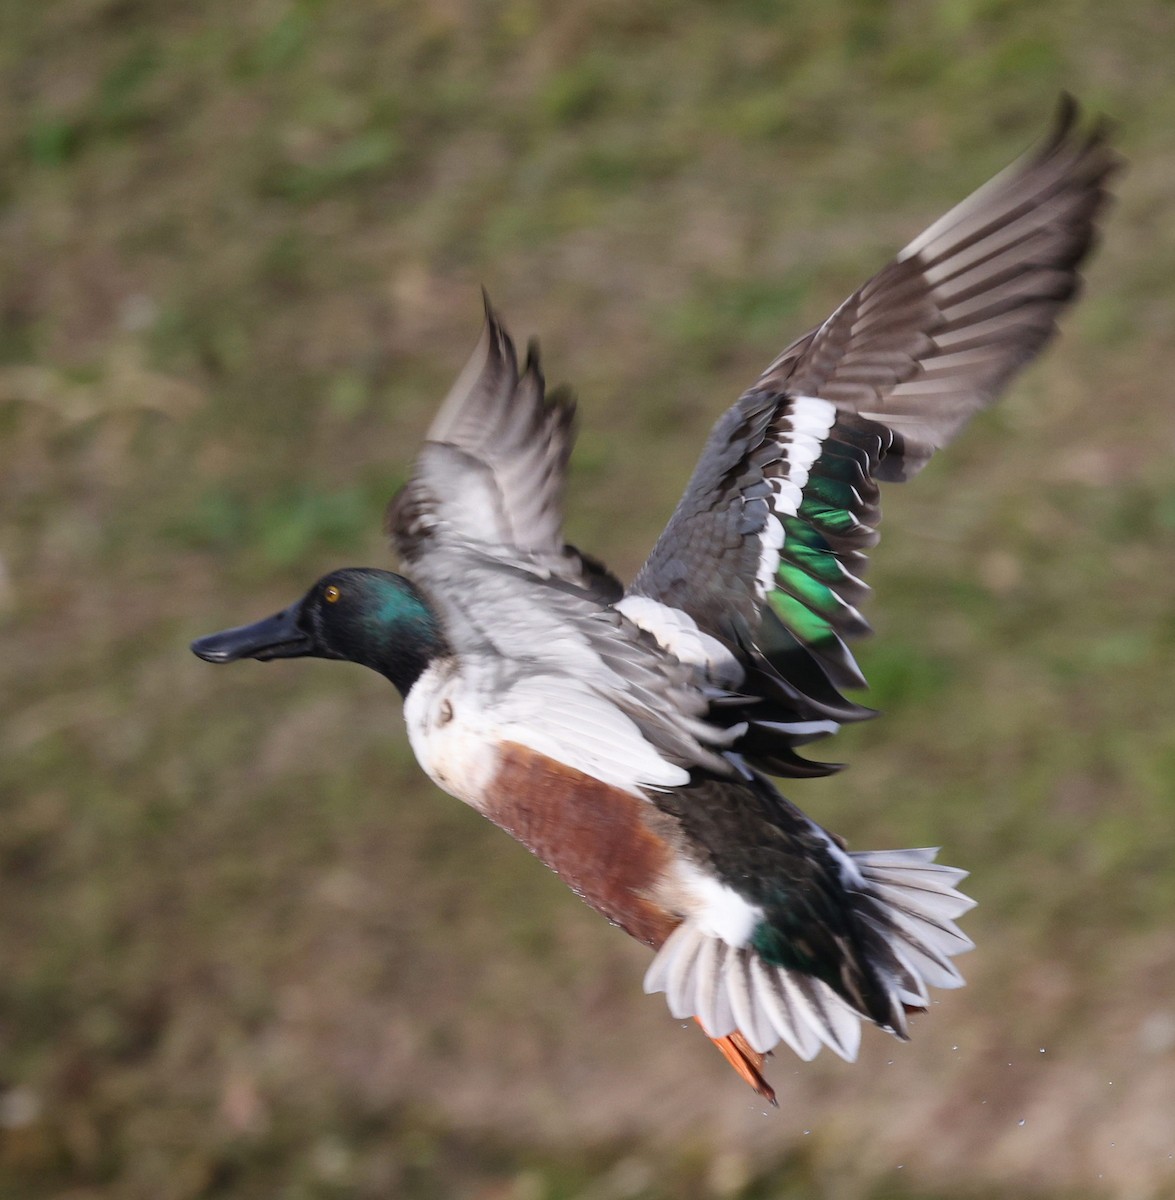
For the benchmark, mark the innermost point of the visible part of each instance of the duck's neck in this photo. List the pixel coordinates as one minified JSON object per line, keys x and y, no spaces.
{"x":399,"y":633}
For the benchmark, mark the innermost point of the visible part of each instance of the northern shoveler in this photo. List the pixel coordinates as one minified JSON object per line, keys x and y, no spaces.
{"x":625,"y":735}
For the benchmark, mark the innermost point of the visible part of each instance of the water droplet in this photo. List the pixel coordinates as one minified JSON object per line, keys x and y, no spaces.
{"x":1021,"y":1121}
{"x":954,"y":1047}
{"x":1042,"y":1049}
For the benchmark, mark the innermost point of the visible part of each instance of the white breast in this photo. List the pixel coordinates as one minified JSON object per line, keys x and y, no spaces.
{"x":458,"y":717}
{"x":454,"y":742}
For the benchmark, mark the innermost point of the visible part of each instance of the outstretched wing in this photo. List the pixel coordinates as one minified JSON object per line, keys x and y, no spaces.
{"x":935,"y":336}
{"x":767,"y":544}
{"x":493,"y":468}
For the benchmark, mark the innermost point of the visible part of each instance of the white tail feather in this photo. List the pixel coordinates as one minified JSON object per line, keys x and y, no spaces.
{"x":772,"y":993}
{"x":709,"y":981}
{"x":731,"y":988}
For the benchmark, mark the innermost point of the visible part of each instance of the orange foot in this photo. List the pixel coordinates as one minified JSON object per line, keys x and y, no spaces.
{"x":747,"y":1062}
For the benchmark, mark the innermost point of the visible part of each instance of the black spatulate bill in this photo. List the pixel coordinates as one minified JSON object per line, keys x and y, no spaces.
{"x":274,"y":637}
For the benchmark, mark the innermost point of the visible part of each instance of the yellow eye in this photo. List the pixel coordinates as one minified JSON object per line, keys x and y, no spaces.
{"x":331,"y":594}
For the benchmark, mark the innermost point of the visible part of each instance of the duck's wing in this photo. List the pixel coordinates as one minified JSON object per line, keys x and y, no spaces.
{"x":767,"y":544}
{"x":492,"y":470}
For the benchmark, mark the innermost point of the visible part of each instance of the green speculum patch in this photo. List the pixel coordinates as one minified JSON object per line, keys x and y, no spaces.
{"x":805,"y":624}
{"x":819,"y":563}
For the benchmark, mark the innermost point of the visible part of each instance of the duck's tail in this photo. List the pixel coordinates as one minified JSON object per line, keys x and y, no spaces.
{"x":899,"y":941}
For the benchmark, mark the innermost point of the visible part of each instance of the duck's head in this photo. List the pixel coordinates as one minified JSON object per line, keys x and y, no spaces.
{"x":359,"y":615}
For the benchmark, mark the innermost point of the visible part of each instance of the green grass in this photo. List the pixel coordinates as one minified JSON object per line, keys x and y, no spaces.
{"x":247,"y":950}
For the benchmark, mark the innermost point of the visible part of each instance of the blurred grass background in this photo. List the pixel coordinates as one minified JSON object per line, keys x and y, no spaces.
{"x":245,"y":949}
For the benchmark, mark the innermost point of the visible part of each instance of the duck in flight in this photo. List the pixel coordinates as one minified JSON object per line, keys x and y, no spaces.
{"x":626,"y":735}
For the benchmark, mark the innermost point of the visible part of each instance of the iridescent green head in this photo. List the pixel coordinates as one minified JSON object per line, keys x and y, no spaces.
{"x":360,"y":615}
